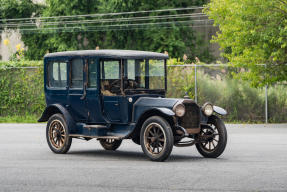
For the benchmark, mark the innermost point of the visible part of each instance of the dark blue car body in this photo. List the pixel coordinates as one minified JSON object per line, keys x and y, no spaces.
{"x":73,"y":84}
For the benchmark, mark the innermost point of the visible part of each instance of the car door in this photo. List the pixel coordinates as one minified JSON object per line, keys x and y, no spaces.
{"x":77,"y":102}
{"x":93,"y":101}
{"x":111,"y":88}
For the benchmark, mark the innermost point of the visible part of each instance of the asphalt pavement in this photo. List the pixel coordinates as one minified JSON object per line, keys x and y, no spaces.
{"x":255,"y":159}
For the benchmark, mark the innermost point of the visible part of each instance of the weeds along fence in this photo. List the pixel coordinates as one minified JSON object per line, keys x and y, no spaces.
{"x":214,"y":83}
{"x":22,"y":93}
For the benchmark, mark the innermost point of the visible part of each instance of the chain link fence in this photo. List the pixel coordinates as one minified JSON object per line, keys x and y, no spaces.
{"x":214,"y":83}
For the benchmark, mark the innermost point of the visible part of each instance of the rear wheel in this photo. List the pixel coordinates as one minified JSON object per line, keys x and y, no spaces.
{"x":110,"y":144}
{"x":57,"y":134}
{"x":156,"y":138}
{"x":212,"y":138}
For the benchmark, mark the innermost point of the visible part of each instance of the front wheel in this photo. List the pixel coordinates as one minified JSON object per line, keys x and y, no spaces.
{"x":212,"y":138}
{"x":156,"y":138}
{"x":110,"y":144}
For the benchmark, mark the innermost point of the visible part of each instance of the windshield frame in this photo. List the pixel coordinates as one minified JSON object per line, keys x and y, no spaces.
{"x":147,"y":89}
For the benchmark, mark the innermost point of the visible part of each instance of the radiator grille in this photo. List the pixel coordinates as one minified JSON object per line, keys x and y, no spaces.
{"x":191,"y":119}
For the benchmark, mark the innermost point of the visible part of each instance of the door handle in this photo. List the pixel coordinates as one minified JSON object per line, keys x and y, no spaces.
{"x":85,"y":92}
{"x":116,"y":104}
{"x":86,"y":83}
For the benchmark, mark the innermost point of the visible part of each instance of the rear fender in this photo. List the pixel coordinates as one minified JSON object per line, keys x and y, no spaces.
{"x":57,"y":108}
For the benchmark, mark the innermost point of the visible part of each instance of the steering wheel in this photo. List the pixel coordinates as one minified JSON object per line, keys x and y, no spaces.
{"x":130,"y":83}
{"x":115,"y":83}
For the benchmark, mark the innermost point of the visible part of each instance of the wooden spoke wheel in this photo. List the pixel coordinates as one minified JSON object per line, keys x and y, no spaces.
{"x":156,"y":138}
{"x":110,"y":144}
{"x":57,"y":134}
{"x":212,"y":139}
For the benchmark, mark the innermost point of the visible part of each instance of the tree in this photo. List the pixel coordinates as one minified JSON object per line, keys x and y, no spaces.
{"x":176,"y":39}
{"x":253,"y":33}
{"x":12,"y":9}
{"x":17,"y":9}
{"x":62,"y":40}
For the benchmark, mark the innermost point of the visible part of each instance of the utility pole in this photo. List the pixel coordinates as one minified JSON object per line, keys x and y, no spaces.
{"x":195,"y":83}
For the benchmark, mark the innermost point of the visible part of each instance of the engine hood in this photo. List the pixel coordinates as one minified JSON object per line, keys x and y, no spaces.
{"x":165,"y":105}
{"x":148,"y":102}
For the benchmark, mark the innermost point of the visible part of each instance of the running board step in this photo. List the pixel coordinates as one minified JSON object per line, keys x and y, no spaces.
{"x":95,"y":126}
{"x":97,"y":137}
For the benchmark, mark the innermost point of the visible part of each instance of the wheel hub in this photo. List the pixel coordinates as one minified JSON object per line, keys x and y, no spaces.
{"x":153,"y":139}
{"x":209,"y":136}
{"x":58,"y":134}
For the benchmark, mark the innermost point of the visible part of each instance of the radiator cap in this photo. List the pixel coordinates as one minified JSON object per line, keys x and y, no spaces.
{"x":186,"y":96}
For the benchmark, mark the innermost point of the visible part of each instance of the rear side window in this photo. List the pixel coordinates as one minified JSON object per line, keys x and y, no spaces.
{"x":57,"y":74}
{"x":77,"y":73}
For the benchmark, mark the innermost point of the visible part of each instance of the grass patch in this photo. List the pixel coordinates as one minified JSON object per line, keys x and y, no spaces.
{"x":19,"y":119}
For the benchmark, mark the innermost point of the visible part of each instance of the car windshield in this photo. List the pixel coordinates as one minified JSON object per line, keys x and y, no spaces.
{"x":140,"y":74}
{"x":132,"y":76}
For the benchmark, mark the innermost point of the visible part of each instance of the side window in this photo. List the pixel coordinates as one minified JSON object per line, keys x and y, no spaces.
{"x":131,"y":69}
{"x":135,"y":72}
{"x":156,"y":74}
{"x":92,"y":74}
{"x":110,"y":77}
{"x":57,"y":74}
{"x":77,"y":73}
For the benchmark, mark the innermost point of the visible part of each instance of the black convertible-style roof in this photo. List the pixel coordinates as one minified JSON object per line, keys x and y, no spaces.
{"x":110,"y":53}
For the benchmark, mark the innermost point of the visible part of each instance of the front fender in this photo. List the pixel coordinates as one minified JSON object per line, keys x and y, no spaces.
{"x":219,"y":110}
{"x":138,"y":113}
{"x":166,"y":111}
{"x":57,"y":108}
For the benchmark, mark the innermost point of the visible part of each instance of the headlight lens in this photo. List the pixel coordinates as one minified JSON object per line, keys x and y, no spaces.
{"x":207,"y":109}
{"x":179,"y":110}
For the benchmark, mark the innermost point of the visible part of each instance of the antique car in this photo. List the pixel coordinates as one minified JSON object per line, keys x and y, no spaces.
{"x":113,"y":95}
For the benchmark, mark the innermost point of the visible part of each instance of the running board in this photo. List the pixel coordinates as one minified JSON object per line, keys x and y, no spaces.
{"x":95,"y":126}
{"x":98,"y":137}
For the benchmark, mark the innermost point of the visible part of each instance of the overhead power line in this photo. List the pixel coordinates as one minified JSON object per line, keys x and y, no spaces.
{"x":115,"y":26}
{"x":129,"y":19}
{"x":103,"y":14}
{"x":97,"y":22}
{"x":114,"y":29}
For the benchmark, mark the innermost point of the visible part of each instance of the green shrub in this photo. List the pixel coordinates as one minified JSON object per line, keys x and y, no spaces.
{"x":277,"y":105}
{"x":243,"y":103}
{"x":21,"y":89}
